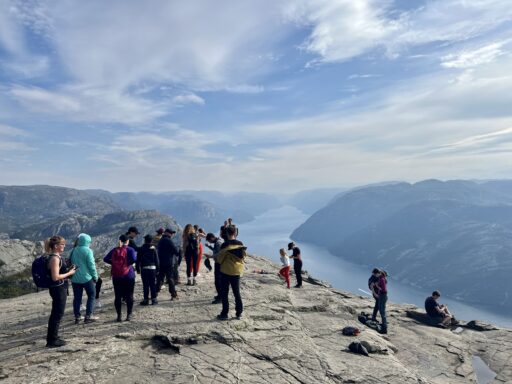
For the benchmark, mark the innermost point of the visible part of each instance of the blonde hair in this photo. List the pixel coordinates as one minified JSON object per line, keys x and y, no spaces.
{"x":282,"y":252}
{"x":189,"y":229}
{"x":51,"y":243}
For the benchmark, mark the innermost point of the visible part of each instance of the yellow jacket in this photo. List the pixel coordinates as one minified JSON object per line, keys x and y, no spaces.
{"x":232,"y":259}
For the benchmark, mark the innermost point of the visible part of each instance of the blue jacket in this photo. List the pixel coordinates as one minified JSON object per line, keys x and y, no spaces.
{"x":83,"y":258}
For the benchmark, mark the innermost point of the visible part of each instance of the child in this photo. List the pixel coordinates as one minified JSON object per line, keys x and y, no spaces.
{"x":285,"y":270}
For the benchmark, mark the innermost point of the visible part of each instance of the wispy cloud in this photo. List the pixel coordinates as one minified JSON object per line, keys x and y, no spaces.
{"x":189,"y":98}
{"x":473,"y":58}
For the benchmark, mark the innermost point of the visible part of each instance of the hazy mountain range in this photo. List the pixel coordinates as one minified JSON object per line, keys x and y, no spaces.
{"x":453,"y":236}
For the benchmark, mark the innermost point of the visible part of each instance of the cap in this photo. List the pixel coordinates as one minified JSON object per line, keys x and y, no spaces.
{"x":169,"y":230}
{"x":291,"y":245}
{"x":160,"y":231}
{"x":133,"y":229}
{"x":123,"y":238}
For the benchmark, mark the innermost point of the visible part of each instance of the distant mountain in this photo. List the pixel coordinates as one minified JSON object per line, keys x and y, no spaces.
{"x":312,"y":200}
{"x":25,"y":205}
{"x":455,"y":236}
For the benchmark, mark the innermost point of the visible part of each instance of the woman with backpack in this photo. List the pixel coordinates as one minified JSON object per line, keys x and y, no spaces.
{"x":122,"y":259}
{"x":58,"y":272}
{"x":85,"y":277}
{"x":191,"y":249}
{"x":383,"y":298}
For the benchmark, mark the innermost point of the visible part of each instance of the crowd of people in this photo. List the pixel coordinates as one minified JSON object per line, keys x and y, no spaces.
{"x":157,"y":261}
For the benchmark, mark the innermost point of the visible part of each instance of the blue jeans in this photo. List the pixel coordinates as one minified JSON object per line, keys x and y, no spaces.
{"x":383,"y":298}
{"x":90,"y":289}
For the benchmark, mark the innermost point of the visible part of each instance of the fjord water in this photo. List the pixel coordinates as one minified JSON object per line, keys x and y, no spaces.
{"x":269,"y":232}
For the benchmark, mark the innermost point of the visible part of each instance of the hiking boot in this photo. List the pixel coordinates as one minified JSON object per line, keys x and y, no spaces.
{"x":216,"y":301}
{"x":154,"y":302}
{"x":222,"y":317}
{"x":56,"y":343}
{"x":77,"y":320}
{"x":144,"y":302}
{"x":128,"y":317}
{"x":90,"y":319}
{"x":119,"y":318}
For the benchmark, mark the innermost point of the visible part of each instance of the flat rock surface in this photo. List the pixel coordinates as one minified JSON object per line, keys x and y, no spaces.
{"x":285,"y":336}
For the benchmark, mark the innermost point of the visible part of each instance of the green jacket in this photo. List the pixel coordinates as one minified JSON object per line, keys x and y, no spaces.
{"x":232,"y":259}
{"x":83,"y":258}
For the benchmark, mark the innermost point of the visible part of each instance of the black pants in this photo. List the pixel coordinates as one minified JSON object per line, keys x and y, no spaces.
{"x":216,"y":272}
{"x":191,"y":260}
{"x":375,"y":309}
{"x":297,"y":267}
{"x":225,"y":282}
{"x":98,"y":287}
{"x":167,"y":273}
{"x":59,"y":296}
{"x":123,"y":288}
{"x":148,"y":283}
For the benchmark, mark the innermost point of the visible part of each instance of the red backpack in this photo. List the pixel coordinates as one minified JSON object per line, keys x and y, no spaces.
{"x":120,"y":267}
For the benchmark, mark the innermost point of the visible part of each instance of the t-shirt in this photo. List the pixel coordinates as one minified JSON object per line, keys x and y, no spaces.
{"x":431,"y":307}
{"x":296,"y":254}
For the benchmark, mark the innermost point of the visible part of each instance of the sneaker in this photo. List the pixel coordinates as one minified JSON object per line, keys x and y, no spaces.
{"x":239,"y":317}
{"x":154,"y":302}
{"x":128,"y":317}
{"x":298,"y":286}
{"x":189,"y":282}
{"x":222,"y":317}
{"x":98,"y":304}
{"x":194,"y":281}
{"x":119,"y":319}
{"x":144,"y":302}
{"x":91,"y":319}
{"x":216,"y":301}
{"x":82,"y":307}
{"x":55,"y":344}
{"x":77,"y":320}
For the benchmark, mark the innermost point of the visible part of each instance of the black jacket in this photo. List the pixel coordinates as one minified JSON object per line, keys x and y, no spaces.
{"x":147,"y":256}
{"x":167,"y":251}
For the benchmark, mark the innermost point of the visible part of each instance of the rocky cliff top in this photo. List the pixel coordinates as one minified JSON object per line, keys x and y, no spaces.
{"x":285,"y":336}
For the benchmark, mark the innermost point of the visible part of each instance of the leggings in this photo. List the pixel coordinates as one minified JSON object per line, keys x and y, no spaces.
{"x":285,"y":272}
{"x":59,"y":296}
{"x":123,"y":288}
{"x":191,"y":261}
{"x":98,"y":287}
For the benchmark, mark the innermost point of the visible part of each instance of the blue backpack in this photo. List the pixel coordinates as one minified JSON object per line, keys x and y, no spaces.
{"x":40,"y":272}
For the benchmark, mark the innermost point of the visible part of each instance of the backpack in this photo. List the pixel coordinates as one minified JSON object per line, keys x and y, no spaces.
{"x":40,"y":272}
{"x":350,"y":331}
{"x":357,"y":347}
{"x":120,"y":267}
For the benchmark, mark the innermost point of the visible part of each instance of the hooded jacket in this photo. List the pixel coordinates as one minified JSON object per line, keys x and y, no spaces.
{"x":231,"y":258}
{"x":83,"y":258}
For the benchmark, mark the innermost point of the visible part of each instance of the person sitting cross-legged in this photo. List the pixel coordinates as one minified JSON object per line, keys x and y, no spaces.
{"x":439,"y":312}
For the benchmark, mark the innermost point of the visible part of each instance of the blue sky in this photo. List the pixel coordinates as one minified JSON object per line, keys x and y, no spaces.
{"x":254,"y":95}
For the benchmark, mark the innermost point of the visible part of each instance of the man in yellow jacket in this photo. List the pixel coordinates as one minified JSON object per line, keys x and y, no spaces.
{"x":232,"y":261}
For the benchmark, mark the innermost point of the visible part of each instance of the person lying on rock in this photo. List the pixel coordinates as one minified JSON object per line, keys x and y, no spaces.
{"x":438,"y":312}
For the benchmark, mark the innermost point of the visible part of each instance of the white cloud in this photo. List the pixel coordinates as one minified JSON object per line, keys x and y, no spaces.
{"x":12,"y":140}
{"x":189,"y":98}
{"x":473,"y":58}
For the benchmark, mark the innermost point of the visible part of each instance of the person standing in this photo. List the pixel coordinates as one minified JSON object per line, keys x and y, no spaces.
{"x":157,"y":237}
{"x":132,"y":233}
{"x":297,"y":263}
{"x":85,"y":278}
{"x":54,"y":246}
{"x":383,"y":298}
{"x":191,"y":250}
{"x":373,"y":285}
{"x":168,"y":255}
{"x":285,"y":267}
{"x":122,"y":259}
{"x":147,"y":265}
{"x":232,"y":261}
{"x":215,"y":245}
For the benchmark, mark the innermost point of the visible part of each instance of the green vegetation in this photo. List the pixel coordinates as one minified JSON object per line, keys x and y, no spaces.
{"x":17,"y":285}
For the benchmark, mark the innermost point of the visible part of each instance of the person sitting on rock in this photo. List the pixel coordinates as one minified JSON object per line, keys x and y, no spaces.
{"x":438,"y":312}
{"x":285,"y":267}
{"x":232,"y":260}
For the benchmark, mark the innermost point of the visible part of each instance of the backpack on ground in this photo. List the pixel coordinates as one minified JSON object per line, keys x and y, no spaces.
{"x":350,"y":331}
{"x":120,"y":267}
{"x":41,"y":273}
{"x":357,"y":347}
{"x":363,"y":317}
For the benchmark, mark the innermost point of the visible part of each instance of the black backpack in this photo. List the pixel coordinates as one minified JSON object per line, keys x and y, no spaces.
{"x":40,"y":272}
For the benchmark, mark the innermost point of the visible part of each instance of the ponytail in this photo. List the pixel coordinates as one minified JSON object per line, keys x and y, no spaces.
{"x":51,"y":243}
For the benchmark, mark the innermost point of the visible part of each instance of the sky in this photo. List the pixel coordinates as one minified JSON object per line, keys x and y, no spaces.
{"x":253,"y":95}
